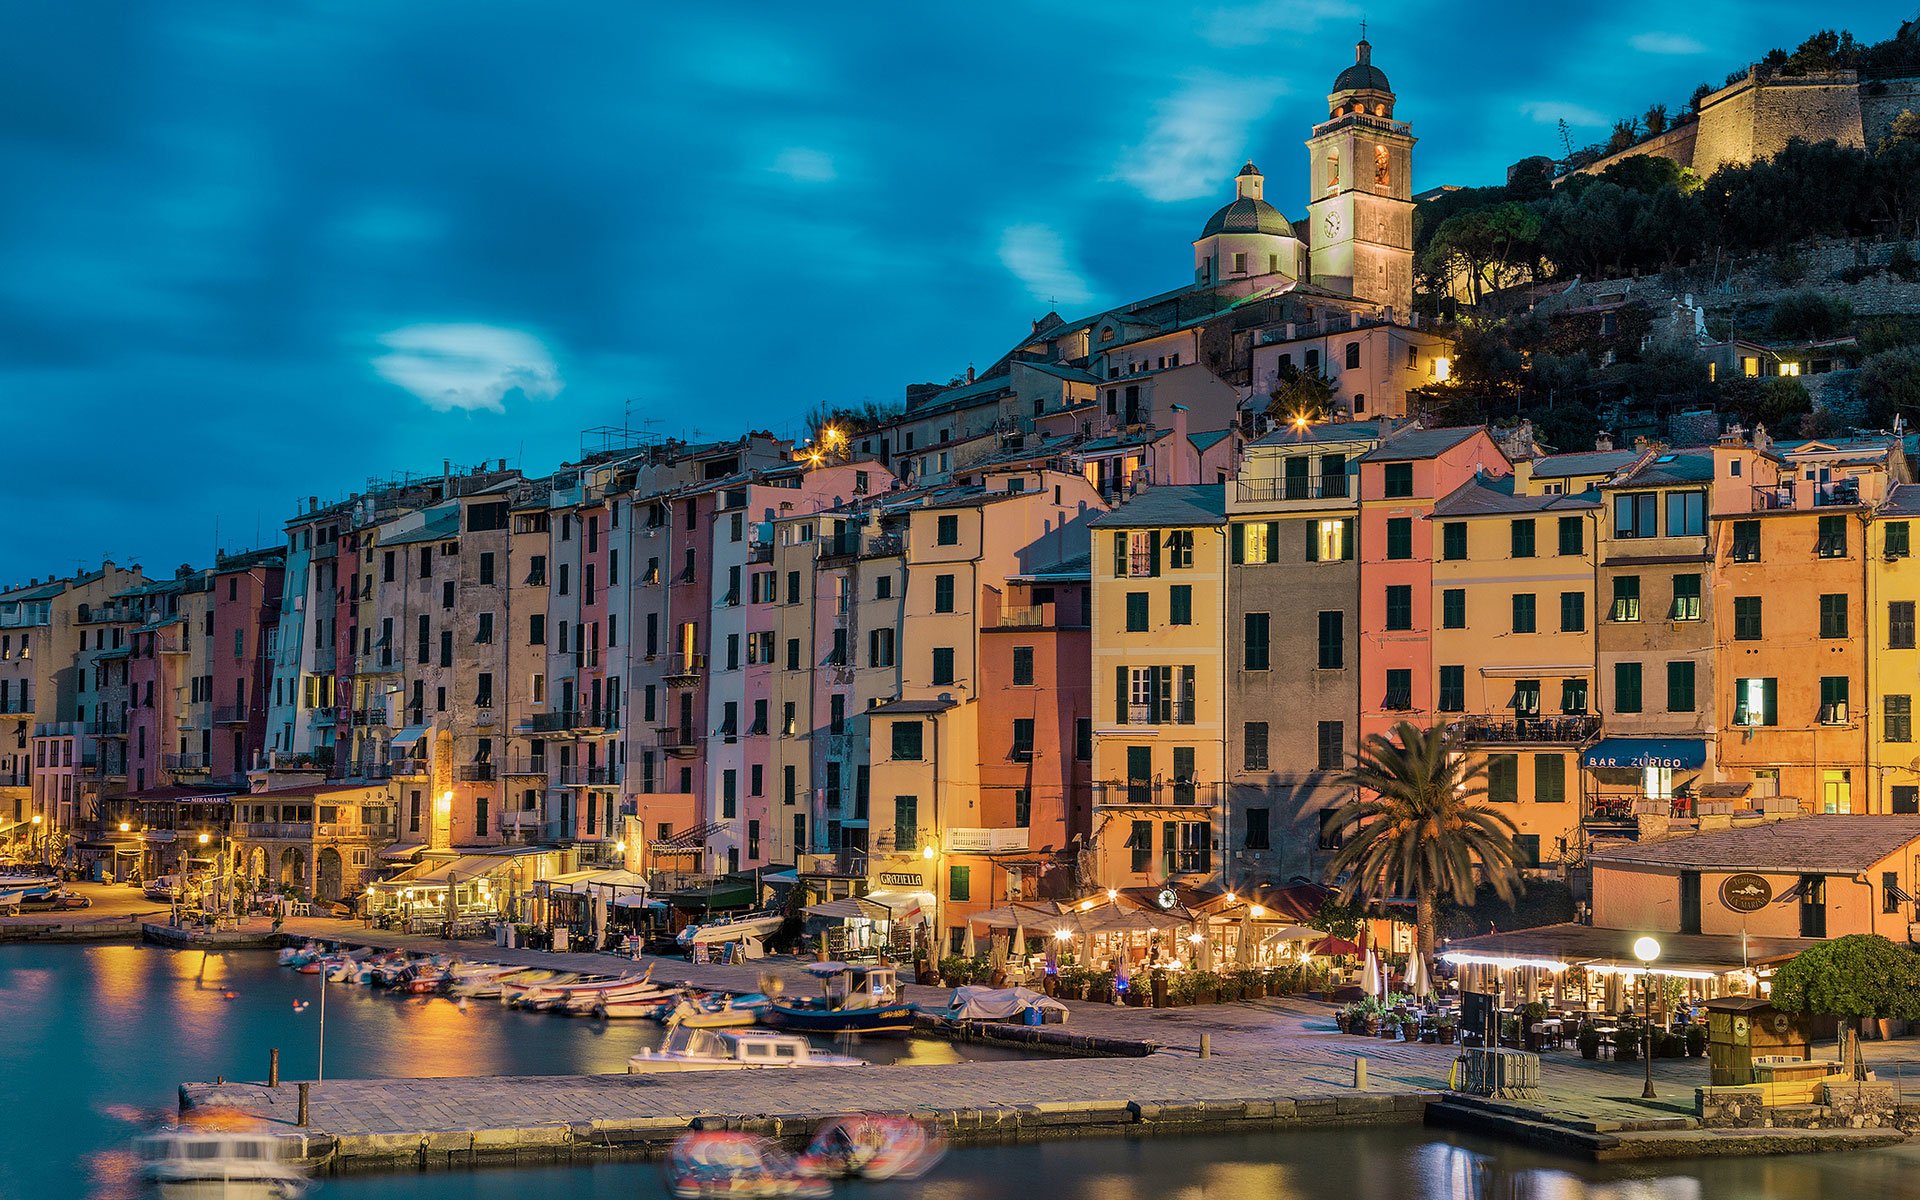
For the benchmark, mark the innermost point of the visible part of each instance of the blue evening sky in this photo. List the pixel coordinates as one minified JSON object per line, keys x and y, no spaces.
{"x":260,"y":251}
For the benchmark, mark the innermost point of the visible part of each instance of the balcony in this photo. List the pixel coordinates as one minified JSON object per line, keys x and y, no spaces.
{"x":113,"y":727}
{"x":1572,"y":729}
{"x":1151,"y":792}
{"x":231,"y":714}
{"x":374,"y":717}
{"x":579,"y":776}
{"x":476,"y":772}
{"x":1838,"y":493}
{"x":581,"y":720}
{"x":406,"y":766}
{"x":1145,"y":714}
{"x":683,"y":743}
{"x":376,"y":662}
{"x":323,"y":716}
{"x":1311,"y":487}
{"x":172,"y":642}
{"x":759,"y":552}
{"x":685,"y":670}
{"x":522,"y":765}
{"x":187,"y":764}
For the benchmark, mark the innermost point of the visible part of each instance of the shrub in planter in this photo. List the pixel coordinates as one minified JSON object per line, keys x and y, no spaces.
{"x":1669,"y":1045}
{"x":1626,"y":1044}
{"x":1447,"y":1030}
{"x":1696,"y":1040}
{"x":1588,"y":1039}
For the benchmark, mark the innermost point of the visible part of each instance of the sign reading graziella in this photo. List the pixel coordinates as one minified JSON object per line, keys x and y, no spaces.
{"x":1746,"y":892}
{"x":894,"y":879}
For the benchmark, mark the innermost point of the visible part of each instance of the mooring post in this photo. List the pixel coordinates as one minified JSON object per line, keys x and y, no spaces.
{"x":304,"y":1085}
{"x":1206,"y":1045}
{"x":273,"y":1067}
{"x":1359,"y":1076}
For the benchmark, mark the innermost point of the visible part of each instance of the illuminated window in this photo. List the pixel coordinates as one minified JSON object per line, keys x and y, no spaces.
{"x":1330,"y":540}
{"x":1382,"y":169}
{"x":1333,"y":171}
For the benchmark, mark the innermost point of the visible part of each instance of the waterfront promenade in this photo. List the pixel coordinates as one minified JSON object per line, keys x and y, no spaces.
{"x":1275,"y":1062}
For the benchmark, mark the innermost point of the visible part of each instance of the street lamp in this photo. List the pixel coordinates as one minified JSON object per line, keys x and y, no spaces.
{"x":1646,"y":950}
{"x":39,"y":838}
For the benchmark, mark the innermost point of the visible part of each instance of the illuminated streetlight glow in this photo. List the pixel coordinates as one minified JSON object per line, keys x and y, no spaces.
{"x":126,"y":827}
{"x":1646,"y":949}
{"x":1063,"y":935}
{"x":1258,"y":912}
{"x":927,"y":853}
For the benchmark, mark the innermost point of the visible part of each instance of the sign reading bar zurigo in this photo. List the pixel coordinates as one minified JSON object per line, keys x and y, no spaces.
{"x":1746,"y":892}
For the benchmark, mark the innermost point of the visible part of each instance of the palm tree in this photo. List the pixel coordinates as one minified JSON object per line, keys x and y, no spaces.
{"x":1419,"y":828}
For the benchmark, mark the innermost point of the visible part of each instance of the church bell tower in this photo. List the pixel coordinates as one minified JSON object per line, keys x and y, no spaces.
{"x":1360,"y":213}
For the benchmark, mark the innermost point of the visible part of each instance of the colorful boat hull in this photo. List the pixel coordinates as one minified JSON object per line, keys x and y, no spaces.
{"x":892,"y":1020}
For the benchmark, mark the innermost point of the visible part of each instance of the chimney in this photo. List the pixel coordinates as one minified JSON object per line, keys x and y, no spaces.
{"x":969,"y":372}
{"x":1603,"y":441}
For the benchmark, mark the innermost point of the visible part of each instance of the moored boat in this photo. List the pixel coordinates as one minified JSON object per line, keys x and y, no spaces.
{"x":869,"y":1146}
{"x":219,"y":1164}
{"x":854,"y":1000}
{"x":730,"y":1165}
{"x":691,"y":1049}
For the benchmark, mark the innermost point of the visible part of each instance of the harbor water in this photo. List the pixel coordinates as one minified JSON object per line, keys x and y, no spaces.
{"x":94,"y":1041}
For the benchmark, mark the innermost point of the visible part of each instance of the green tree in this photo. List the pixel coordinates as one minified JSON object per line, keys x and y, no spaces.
{"x":1421,"y":827}
{"x":1492,"y":247}
{"x":1809,"y":316}
{"x":1859,"y":976}
{"x":1655,"y":119}
{"x":1779,"y":402}
{"x":1300,"y":395}
{"x":1889,"y":382}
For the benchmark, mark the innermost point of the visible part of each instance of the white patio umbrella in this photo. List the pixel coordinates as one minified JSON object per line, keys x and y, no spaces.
{"x":966,"y":942}
{"x":1418,"y":982}
{"x":1017,"y":946}
{"x":1370,"y":981}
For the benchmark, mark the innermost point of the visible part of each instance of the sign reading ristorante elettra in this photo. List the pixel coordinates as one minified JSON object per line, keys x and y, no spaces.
{"x":900,"y":879}
{"x":1746,"y":892}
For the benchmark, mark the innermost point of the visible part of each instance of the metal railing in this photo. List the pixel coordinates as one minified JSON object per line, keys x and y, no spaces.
{"x":686,"y":667}
{"x":581,"y":776}
{"x":231,"y":714}
{"x":1313,"y":487}
{"x":1568,"y":730}
{"x":476,"y":772}
{"x":523,"y":765}
{"x":186,"y":762}
{"x":676,"y":740}
{"x":1119,"y":792}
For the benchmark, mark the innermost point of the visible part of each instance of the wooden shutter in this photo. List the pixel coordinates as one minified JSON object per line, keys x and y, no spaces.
{"x":1238,"y":543}
{"x":1273,"y":541}
{"x":1313,"y":540}
{"x":1120,"y":554}
{"x":1346,"y":539}
{"x":1120,"y":695}
{"x":1153,"y":560}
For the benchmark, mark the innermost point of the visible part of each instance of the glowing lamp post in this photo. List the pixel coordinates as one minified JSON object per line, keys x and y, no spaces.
{"x":1646,"y":949}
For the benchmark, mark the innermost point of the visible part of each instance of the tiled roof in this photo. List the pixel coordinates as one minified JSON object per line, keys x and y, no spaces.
{"x":1186,"y":504}
{"x":1415,"y":444}
{"x":1329,"y":432}
{"x":1903,"y":500}
{"x":1206,"y":439}
{"x":1684,"y":467}
{"x":1590,"y":462}
{"x":1079,"y":568}
{"x":1485,"y":497}
{"x":1145,"y":437}
{"x":1825,"y":844}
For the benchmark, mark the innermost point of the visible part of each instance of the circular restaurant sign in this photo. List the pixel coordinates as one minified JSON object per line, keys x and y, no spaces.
{"x":1746,"y":892}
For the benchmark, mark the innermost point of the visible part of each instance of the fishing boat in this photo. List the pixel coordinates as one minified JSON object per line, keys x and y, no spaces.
{"x":597,"y":1002}
{"x":688,"y":1048}
{"x":719,"y":1012}
{"x":730,"y":1165}
{"x":512,"y":991}
{"x":869,"y":1146}
{"x":219,"y":1164}
{"x":862,"y":1000}
{"x":300,"y":956}
{"x":655,"y":1006}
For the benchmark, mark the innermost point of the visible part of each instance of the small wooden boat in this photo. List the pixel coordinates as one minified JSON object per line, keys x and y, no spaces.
{"x":719,"y":1012}
{"x":730,"y":1165}
{"x":867,"y":1146}
{"x":689,"y":1049}
{"x":854,"y":1000}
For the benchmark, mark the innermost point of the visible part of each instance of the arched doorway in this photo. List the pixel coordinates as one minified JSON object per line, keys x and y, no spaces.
{"x":257,"y":866}
{"x":327,"y":885}
{"x":293,"y":868}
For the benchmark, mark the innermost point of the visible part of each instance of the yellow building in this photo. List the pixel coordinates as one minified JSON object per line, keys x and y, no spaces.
{"x":1513,"y":645}
{"x":1159,"y":753}
{"x":1893,"y":661}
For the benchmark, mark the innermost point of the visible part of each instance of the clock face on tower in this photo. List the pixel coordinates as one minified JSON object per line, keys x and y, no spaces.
{"x":1332,"y":224}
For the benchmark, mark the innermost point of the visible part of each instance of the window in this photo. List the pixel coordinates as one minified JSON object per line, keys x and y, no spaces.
{"x":1331,"y":740}
{"x":1746,"y":618}
{"x":1083,"y":739}
{"x":1522,"y":537}
{"x":1022,"y":666}
{"x":486,"y":568}
{"x":1327,"y":541}
{"x":1626,"y":597}
{"x":1897,"y":543}
{"x":1453,"y":689}
{"x":1453,"y":608}
{"x":1689,"y":902}
{"x":1136,"y":555}
{"x":1523,"y":612}
{"x":1399,"y":697}
{"x":1255,"y":740}
{"x":943,"y":664}
{"x":1899,"y":718}
{"x":1503,"y":778}
{"x":1400,"y":606}
{"x":959,"y":882}
{"x":1833,"y":538}
{"x":1746,"y":541}
{"x":906,"y":822}
{"x":483,"y":629}
{"x":1833,"y":700}
{"x":1257,"y":651}
{"x":1180,"y":549}
{"x":1180,"y":604}
{"x":1813,"y":906}
{"x":1525,"y":701}
{"x":1900,"y":624}
{"x":1833,"y":615}
{"x":879,"y":648}
{"x":1140,"y":843}
{"x":1136,"y":612}
{"x":947,"y":530}
{"x":1686,"y":514}
{"x":1398,"y":480}
{"x":1573,"y":612}
{"x":1259,"y":830}
{"x":1626,"y":687}
{"x":1022,"y":739}
{"x":1755,"y":702}
{"x":1453,"y":541}
{"x":1573,"y":536}
{"x":1399,"y":537}
{"x":1686,"y":598}
{"x":943,"y":594}
{"x":1680,"y":698}
{"x":1636,"y":515}
{"x":1353,"y":356}
{"x":1333,"y":641}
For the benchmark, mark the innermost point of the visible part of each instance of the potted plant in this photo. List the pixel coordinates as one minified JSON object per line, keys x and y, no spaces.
{"x":1530,"y":1014}
{"x":1447,"y":1029}
{"x":1588,"y":1039}
{"x":1409,"y":1027}
{"x":1626,"y":1043}
{"x":1696,"y":1040}
{"x":1253,"y":983}
{"x":1182,"y":987}
{"x":1099,"y":987}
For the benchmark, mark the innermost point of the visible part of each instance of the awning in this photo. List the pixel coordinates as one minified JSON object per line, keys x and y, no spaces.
{"x":408,"y":735}
{"x":465,"y":869}
{"x":850,"y":908}
{"x":403,"y":851}
{"x":903,"y":904}
{"x":1684,"y":754}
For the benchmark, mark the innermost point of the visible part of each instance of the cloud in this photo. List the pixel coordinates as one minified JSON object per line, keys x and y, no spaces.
{"x":1197,"y":137}
{"x":1257,"y":22}
{"x":1547,"y":112}
{"x":1038,"y":258}
{"x":804,"y":165}
{"x":1666,"y":43}
{"x":468,"y":367}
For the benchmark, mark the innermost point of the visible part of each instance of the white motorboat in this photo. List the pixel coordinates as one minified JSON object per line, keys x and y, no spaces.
{"x":689,"y":1048}
{"x":194,"y":1164}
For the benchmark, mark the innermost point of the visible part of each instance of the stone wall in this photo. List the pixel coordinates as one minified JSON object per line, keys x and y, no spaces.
{"x":1881,"y":100}
{"x":1757,"y":280}
{"x":1755,"y":117}
{"x":1867,"y":1105}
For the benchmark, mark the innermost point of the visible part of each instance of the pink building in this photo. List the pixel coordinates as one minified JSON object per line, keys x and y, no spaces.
{"x":246,"y":617}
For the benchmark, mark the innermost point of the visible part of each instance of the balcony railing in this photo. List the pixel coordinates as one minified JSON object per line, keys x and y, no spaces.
{"x":406,"y":766}
{"x":685,"y":669}
{"x":377,"y":662}
{"x":677,"y":740}
{"x":1839,"y":493}
{"x":109,"y":727}
{"x":523,"y":765}
{"x":580,"y":776}
{"x":187,"y":764}
{"x":370,"y":716}
{"x":231,"y":714}
{"x":1313,"y":487}
{"x":1571,"y":729}
{"x":885,"y":545}
{"x":1146,"y":714}
{"x":477,"y":772}
{"x":1161,"y":792}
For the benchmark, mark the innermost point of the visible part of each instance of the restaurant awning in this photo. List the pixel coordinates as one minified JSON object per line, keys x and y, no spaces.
{"x":465,"y":869}
{"x":850,"y":908}
{"x":1628,"y":753}
{"x":1570,"y":944}
{"x":403,"y":851}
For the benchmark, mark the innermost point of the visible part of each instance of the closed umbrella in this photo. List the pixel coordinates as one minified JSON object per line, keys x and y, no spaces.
{"x":1418,"y":984}
{"x":1206,"y":949}
{"x":1244,"y":953}
{"x":1370,"y":981}
{"x":997,"y":958}
{"x":966,"y":942}
{"x":1018,"y":946}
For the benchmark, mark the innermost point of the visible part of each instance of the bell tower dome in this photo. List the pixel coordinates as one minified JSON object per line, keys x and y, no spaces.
{"x":1360,"y":210}
{"x":1248,"y":238}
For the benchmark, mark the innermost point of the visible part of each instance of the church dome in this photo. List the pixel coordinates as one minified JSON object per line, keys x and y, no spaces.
{"x":1362,"y":75}
{"x":1247,"y":215}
